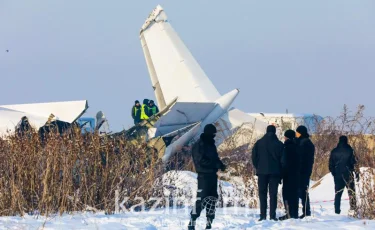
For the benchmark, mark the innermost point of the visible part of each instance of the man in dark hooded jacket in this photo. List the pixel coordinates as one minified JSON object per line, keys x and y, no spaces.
{"x":290,"y":174}
{"x":152,"y":108}
{"x":342,"y":165}
{"x":136,"y":112}
{"x":306,"y":152}
{"x":266,"y":159}
{"x":207,"y":163}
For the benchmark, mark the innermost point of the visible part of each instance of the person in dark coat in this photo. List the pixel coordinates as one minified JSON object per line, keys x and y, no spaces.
{"x":266,"y":159}
{"x":290,"y":163}
{"x":342,"y":165}
{"x":23,"y":127}
{"x":152,"y":108}
{"x":136,"y":112}
{"x":207,"y":163}
{"x":306,"y":152}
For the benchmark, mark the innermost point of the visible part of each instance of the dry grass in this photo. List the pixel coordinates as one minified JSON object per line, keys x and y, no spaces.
{"x":75,"y":172}
{"x":71,"y":173}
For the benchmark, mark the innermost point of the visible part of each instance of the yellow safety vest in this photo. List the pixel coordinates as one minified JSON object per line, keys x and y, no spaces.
{"x":143,"y":112}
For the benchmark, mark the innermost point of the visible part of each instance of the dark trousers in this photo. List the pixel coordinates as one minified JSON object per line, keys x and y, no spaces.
{"x":268,"y":183}
{"x":290,"y":196}
{"x":207,"y":187}
{"x":136,"y":121}
{"x":303,"y":194}
{"x":341,"y":182}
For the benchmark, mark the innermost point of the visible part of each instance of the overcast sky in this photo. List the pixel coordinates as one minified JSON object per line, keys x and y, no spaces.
{"x":304,"y":56}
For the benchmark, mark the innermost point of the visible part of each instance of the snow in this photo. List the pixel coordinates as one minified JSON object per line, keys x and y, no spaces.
{"x":231,"y":218}
{"x":182,"y":184}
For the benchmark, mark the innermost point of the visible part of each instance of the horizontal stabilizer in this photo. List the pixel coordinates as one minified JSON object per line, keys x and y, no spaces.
{"x":182,"y":114}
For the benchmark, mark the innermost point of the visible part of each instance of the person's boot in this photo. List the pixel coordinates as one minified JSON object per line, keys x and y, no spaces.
{"x":281,"y":218}
{"x":209,"y":223}
{"x":191,"y":225}
{"x":274,"y":219}
{"x":262,"y":218}
{"x":304,"y":215}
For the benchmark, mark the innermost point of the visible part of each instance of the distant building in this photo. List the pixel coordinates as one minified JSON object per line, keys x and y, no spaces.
{"x":286,"y":121}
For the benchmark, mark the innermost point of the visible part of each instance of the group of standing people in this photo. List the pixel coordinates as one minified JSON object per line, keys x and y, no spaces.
{"x":145,"y":111}
{"x":291,"y":164}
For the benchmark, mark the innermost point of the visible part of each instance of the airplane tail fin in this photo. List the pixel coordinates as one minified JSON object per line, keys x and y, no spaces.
{"x":173,"y":70}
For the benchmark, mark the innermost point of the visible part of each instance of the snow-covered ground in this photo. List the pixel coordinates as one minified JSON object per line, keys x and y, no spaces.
{"x":241,"y":218}
{"x":322,"y":194}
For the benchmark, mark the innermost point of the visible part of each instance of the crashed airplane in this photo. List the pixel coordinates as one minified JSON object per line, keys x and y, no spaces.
{"x":186,"y":96}
{"x":44,"y":116}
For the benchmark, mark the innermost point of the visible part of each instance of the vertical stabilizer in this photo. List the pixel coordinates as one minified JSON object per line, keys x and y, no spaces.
{"x":173,"y":70}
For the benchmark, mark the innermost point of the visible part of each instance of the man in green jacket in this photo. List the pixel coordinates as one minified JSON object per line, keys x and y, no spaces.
{"x":136,"y":112}
{"x":153,"y":109}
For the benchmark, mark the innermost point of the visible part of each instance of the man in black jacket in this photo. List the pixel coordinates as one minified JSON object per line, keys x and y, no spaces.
{"x":136,"y":112}
{"x":290,"y":174}
{"x":306,"y":152}
{"x":342,"y":165}
{"x":266,"y":159}
{"x":207,"y":163}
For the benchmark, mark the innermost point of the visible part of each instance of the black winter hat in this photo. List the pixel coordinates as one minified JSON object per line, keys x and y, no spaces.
{"x":210,"y":129}
{"x":271,"y":129}
{"x":136,"y":102}
{"x":151,"y":101}
{"x":145,"y":101}
{"x":302,"y":130}
{"x":343,"y":139}
{"x":290,"y":134}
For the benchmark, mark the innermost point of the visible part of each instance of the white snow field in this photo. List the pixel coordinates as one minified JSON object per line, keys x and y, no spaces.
{"x":322,"y":194}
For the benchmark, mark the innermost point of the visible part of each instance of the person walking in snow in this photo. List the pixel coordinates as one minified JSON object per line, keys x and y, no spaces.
{"x":306,"y":152}
{"x":290,"y":163}
{"x":136,"y":112}
{"x":207,"y":163}
{"x":266,"y":157}
{"x":342,"y":165}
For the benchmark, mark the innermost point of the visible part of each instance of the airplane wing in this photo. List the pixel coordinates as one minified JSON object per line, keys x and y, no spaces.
{"x":10,"y":118}
{"x":67,"y":111}
{"x":38,"y":113}
{"x":173,"y":70}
